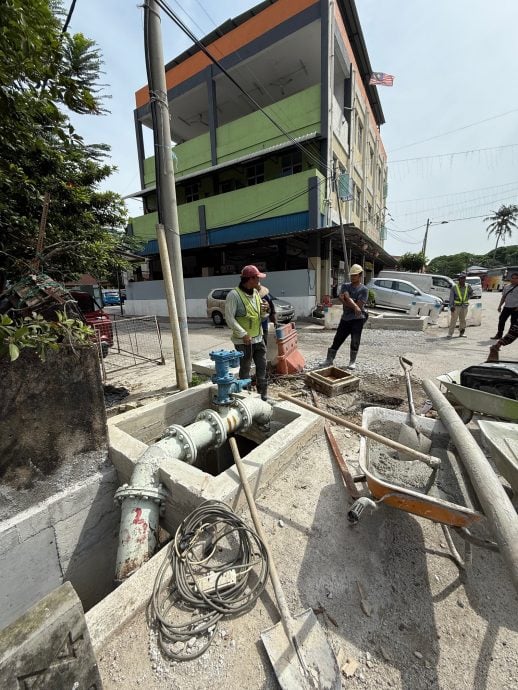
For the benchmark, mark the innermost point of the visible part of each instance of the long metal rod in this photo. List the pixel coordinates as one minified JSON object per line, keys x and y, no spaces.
{"x":165,"y":181}
{"x":496,"y":505}
{"x":427,"y":459}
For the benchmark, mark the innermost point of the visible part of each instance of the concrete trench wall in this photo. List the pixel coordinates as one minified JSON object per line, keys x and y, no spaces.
{"x":71,"y":536}
{"x":187,"y":485}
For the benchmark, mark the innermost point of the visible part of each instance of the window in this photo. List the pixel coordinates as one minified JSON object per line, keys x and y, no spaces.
{"x":371,"y":159}
{"x":255,"y":174}
{"x":404,"y":287}
{"x":358,"y":200}
{"x":369,"y":211}
{"x":359,"y":134}
{"x":220,"y":294}
{"x":440,"y":282}
{"x":192,"y":192}
{"x":384,"y":284}
{"x":291,"y":163}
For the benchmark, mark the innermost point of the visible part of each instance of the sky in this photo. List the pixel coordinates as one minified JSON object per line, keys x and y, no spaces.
{"x":451,"y":129}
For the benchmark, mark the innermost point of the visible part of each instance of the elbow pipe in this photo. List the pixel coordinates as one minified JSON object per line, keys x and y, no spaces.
{"x":143,"y":499}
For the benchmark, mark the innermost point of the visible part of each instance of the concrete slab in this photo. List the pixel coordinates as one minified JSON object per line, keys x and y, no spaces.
{"x":401,"y":322}
{"x":207,"y":367}
{"x":49,"y":646}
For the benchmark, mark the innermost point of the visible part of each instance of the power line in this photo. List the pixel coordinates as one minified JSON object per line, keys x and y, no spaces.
{"x":458,"y":129}
{"x":467,"y":191}
{"x":451,"y":154}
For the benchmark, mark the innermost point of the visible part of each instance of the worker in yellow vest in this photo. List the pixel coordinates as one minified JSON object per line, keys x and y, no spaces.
{"x":460,"y":295}
{"x":244,"y":313}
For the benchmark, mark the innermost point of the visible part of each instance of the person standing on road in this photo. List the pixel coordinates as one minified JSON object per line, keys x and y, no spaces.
{"x":354,"y":296}
{"x":459,"y":301}
{"x":508,"y":306}
{"x":244,"y":313}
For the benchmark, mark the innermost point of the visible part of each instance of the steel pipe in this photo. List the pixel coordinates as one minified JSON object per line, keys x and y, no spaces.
{"x":143,"y":498}
{"x":496,"y":505}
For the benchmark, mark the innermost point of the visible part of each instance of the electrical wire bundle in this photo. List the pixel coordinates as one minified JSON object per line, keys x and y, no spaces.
{"x":209,"y":563}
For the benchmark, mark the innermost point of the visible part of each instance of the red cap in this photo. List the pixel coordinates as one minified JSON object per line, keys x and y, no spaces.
{"x":252,"y":272}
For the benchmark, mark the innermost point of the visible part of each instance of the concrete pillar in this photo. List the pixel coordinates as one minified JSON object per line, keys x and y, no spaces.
{"x":315,"y":263}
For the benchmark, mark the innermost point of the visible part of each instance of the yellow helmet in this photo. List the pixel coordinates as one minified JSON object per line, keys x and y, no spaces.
{"x":355,"y":270}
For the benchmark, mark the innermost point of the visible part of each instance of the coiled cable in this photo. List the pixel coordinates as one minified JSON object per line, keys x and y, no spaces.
{"x":211,"y":541}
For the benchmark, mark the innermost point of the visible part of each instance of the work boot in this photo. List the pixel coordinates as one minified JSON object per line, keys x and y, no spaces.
{"x":461,"y":334}
{"x":352,"y":361}
{"x":330,"y":358}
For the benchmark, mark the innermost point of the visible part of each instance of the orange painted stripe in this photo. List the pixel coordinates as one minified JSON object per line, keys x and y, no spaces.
{"x":255,"y":27}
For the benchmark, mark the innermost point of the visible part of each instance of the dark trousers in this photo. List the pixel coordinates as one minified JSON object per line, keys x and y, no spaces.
{"x":504,"y":315}
{"x":256,"y":353}
{"x":345,"y":329}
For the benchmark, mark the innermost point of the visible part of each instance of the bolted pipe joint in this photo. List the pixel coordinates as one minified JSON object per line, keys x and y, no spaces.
{"x":226,"y":381}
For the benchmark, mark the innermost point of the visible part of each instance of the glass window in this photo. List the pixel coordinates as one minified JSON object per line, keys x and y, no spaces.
{"x":192,"y":192}
{"x":358,"y":200}
{"x":359,"y":134}
{"x":255,"y":174}
{"x":291,"y":163}
{"x":404,"y":287}
{"x":384,"y":284}
{"x":440,"y":282}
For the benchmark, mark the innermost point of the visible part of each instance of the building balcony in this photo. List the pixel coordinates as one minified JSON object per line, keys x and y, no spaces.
{"x":283,"y":197}
{"x":298,"y":114}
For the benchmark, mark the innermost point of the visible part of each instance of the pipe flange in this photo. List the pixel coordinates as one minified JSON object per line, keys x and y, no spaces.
{"x":190,"y":452}
{"x":246,"y":415}
{"x":149,"y":493}
{"x":217,"y":425}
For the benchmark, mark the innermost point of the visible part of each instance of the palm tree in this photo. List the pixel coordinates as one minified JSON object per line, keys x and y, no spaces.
{"x":502,"y":223}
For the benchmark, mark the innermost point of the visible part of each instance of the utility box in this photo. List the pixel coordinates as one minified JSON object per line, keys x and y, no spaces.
{"x":332,"y":381}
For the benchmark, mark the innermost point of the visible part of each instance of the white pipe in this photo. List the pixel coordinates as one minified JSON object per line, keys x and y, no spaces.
{"x":497,"y":507}
{"x":143,"y":498}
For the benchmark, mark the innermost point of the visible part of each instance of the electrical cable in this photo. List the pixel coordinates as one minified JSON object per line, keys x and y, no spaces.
{"x":211,"y":540}
{"x":450,"y":154}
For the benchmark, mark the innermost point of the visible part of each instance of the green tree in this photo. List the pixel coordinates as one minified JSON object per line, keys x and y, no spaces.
{"x":412,"y":262}
{"x":502,"y":223}
{"x":45,"y":73}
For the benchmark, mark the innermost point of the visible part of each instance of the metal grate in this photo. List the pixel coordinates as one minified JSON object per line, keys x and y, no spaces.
{"x":135,"y":341}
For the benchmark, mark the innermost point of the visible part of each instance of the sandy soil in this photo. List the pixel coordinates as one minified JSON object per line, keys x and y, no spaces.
{"x":397,"y":610}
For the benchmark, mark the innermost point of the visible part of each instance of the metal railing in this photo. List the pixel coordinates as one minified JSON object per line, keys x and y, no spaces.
{"x":132,"y":341}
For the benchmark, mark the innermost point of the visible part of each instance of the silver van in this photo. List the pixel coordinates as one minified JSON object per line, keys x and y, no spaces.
{"x":429,"y":283}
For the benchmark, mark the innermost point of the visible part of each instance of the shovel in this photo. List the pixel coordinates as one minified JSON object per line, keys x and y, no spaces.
{"x":409,"y":435}
{"x":297,"y":646}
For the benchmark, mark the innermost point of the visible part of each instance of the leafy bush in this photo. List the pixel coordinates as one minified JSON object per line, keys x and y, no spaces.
{"x":35,"y":333}
{"x":371,"y":299}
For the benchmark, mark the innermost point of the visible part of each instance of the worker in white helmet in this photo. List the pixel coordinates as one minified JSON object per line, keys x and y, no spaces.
{"x":354,"y":297}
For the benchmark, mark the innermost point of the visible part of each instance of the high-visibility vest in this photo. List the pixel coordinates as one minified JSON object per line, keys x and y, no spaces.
{"x":251,"y":321}
{"x":459,"y":300}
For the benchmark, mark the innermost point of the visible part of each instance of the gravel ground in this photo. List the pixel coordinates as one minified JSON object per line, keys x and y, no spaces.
{"x":396,"y":609}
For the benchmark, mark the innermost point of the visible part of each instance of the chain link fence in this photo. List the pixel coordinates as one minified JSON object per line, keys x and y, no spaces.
{"x":128,"y":342}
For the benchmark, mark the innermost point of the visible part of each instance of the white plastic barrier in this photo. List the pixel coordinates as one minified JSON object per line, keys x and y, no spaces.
{"x":332,"y":316}
{"x":473,"y":317}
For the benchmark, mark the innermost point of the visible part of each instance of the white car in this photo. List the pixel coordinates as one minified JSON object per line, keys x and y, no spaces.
{"x":399,"y":294}
{"x":476,"y":285}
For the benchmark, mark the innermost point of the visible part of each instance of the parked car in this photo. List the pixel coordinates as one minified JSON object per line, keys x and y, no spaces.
{"x":111,"y":297}
{"x":428,"y":283}
{"x":399,"y":294}
{"x":96,"y":318}
{"x":476,"y":286}
{"x":216,"y":307}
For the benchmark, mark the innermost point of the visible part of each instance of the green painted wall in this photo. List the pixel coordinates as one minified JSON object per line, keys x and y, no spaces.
{"x":237,"y":206}
{"x":298,"y":114}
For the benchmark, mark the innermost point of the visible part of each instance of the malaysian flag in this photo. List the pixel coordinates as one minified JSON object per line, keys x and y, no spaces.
{"x":381,"y":79}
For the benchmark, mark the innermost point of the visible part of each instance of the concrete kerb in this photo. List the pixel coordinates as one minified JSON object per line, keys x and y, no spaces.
{"x":187,"y":485}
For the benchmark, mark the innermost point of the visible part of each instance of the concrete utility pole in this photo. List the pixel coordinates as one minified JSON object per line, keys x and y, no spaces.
{"x":423,"y":250}
{"x":164,"y":171}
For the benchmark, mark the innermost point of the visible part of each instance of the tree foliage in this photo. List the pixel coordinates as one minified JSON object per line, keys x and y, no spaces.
{"x":502,"y":223}
{"x":45,"y":73}
{"x":412,"y":262}
{"x":451,"y":265}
